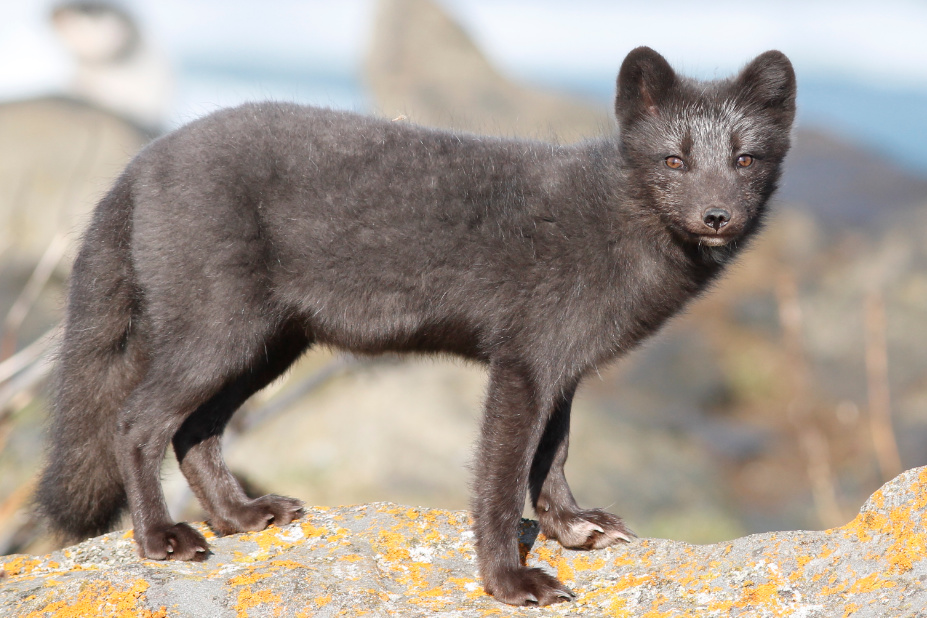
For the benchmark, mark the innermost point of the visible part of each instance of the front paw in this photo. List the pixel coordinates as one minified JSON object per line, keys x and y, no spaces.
{"x":172,"y":542}
{"x":584,"y":529}
{"x":524,"y":586}
{"x":257,"y":514}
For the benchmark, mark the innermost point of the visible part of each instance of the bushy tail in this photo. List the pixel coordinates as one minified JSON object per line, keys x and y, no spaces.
{"x":100,"y":361}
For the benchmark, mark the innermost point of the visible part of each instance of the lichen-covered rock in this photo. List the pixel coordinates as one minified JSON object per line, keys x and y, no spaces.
{"x":387,"y":560}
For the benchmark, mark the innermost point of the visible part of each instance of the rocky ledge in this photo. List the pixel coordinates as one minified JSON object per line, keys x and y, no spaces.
{"x":388,"y":560}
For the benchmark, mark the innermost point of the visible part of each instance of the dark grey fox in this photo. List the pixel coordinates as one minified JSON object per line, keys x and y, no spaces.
{"x":230,"y":246}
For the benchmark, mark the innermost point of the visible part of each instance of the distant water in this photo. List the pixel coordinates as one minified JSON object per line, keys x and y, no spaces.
{"x":892,"y":122}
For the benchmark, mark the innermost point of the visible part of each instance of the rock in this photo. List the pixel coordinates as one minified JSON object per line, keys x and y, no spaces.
{"x":423,"y":66}
{"x":386,"y":560}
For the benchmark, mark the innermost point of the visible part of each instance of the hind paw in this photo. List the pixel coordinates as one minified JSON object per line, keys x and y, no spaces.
{"x":524,"y":586}
{"x":584,"y":529}
{"x":172,"y":542}
{"x":258,"y":514}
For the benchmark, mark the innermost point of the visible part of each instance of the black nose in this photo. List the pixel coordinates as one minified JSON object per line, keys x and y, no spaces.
{"x":716,"y":218}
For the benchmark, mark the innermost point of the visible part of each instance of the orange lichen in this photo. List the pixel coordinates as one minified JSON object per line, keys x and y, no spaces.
{"x":21,"y":565}
{"x":762,"y":595}
{"x":871,"y":583}
{"x":323,"y":601}
{"x":248,"y":599}
{"x":555,"y":559}
{"x":908,"y":542}
{"x":588,"y":563}
{"x":251,"y":577}
{"x":102,"y":598}
{"x":391,"y":545}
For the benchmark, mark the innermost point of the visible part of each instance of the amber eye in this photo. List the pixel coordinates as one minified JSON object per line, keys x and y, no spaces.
{"x":744,"y":161}
{"x":674,"y":163}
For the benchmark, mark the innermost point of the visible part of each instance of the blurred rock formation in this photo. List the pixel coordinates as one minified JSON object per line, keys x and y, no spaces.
{"x":422,"y":65}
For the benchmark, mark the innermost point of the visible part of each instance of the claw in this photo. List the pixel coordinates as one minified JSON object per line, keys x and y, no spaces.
{"x":531,"y":598}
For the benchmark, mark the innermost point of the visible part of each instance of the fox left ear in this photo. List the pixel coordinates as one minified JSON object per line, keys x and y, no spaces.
{"x":769,"y":82}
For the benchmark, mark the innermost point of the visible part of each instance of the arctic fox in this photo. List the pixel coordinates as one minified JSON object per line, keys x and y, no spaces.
{"x":230,"y":246}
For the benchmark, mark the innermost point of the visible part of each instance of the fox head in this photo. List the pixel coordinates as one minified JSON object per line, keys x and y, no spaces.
{"x":705,"y":155}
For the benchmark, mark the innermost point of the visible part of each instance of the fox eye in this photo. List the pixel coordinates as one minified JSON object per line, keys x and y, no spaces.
{"x":674,"y":163}
{"x":744,"y":160}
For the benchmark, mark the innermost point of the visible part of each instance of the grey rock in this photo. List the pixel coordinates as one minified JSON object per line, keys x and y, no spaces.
{"x":387,"y":560}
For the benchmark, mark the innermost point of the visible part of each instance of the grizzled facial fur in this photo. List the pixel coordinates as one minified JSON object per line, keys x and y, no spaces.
{"x":707,"y":158}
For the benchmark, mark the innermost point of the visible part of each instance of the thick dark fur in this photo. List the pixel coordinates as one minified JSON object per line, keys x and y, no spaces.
{"x":230,"y":246}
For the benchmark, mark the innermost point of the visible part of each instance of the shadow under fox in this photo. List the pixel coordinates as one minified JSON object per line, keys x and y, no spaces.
{"x":230,"y":246}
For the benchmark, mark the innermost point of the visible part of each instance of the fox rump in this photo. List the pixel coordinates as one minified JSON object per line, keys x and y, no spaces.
{"x":230,"y":246}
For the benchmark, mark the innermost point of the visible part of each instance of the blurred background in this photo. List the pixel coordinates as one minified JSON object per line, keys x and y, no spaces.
{"x":781,"y":400}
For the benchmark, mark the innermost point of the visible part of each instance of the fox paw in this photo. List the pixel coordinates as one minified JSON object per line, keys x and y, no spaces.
{"x":172,"y":542}
{"x":524,"y":586}
{"x":584,"y":529}
{"x":257,"y":514}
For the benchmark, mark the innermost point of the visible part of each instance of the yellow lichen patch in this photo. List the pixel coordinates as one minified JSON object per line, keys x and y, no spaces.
{"x":565,"y":570}
{"x":588,"y":563}
{"x":247,"y":600}
{"x":21,"y":565}
{"x":625,"y":559}
{"x":102,"y":598}
{"x":248,"y":578}
{"x":921,"y":490}
{"x":392,"y":546}
{"x":849,"y":609}
{"x":908,"y":542}
{"x":311,"y":531}
{"x":238,"y":556}
{"x":618,"y":608}
{"x":798,"y":573}
{"x":322,"y":601}
{"x":871,"y":583}
{"x":863,"y":525}
{"x":759,"y":595}
{"x":287,"y":564}
{"x":432,"y":530}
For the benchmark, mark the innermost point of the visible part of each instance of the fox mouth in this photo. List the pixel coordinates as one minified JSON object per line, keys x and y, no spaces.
{"x":714,"y":240}
{"x":710,"y":239}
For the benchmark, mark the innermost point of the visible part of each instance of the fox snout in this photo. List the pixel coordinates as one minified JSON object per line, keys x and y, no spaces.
{"x":716,"y":218}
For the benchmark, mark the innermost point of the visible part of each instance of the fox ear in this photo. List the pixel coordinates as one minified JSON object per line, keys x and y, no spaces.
{"x":769,"y":83}
{"x":644,"y":82}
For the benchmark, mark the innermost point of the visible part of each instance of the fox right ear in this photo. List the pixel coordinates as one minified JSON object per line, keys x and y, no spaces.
{"x":644,"y":82}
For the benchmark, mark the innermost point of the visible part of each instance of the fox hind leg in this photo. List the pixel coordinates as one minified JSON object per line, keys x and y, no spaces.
{"x":197,"y":444}
{"x":560,"y":516}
